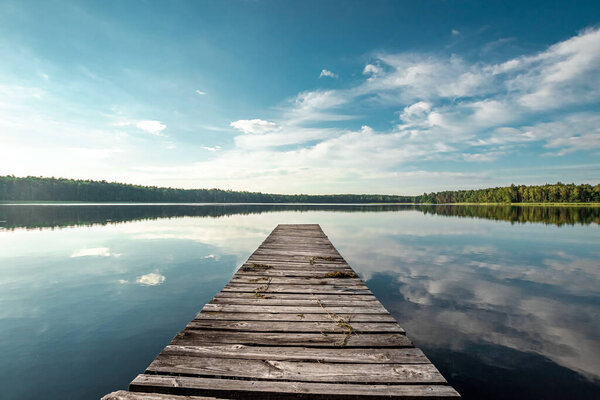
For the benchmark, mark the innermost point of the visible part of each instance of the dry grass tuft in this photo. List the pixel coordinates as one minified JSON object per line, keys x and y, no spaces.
{"x":343,"y":323}
{"x":312,"y":260}
{"x":340,"y":275}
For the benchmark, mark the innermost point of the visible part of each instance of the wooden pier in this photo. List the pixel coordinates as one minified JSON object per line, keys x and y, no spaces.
{"x":294,"y":322}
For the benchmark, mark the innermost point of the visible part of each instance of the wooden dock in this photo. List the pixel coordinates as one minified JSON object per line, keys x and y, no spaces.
{"x":294,"y":322}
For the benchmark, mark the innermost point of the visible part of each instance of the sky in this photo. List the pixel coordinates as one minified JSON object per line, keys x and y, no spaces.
{"x":391,"y":97}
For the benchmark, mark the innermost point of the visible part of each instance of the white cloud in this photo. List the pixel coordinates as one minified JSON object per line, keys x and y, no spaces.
{"x":416,"y":112}
{"x":151,"y":279}
{"x":317,"y":106}
{"x":372,"y":69}
{"x":92,"y":252}
{"x":481,"y":157}
{"x":455,"y":32}
{"x":151,"y":126}
{"x":284,"y":136}
{"x":328,"y":74}
{"x":215,"y":148}
{"x":254,"y":126}
{"x":319,"y":99}
{"x":200,"y":92}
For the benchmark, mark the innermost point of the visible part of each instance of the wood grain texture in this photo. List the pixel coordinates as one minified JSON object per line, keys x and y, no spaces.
{"x":192,"y":337}
{"x":268,"y":301}
{"x":123,"y":395}
{"x":296,"y":370}
{"x":292,"y":296}
{"x":292,"y":317}
{"x":294,"y":322}
{"x":306,"y":289}
{"x":255,"y":389}
{"x":376,"y":309}
{"x":322,"y":355}
{"x":297,"y":326}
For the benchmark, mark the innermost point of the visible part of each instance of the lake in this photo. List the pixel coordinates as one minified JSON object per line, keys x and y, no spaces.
{"x":504,"y":300}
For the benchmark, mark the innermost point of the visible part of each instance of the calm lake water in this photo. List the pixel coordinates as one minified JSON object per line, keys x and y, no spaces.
{"x":504,"y":300}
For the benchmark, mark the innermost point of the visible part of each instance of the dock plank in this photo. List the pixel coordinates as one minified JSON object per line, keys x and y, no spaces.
{"x":291,"y":317}
{"x":296,"y":326}
{"x":191,"y":337}
{"x":292,"y":296}
{"x":322,"y":355}
{"x":377,"y":309}
{"x":295,"y":370}
{"x":123,"y":395}
{"x":255,"y":389}
{"x":267,"y":301}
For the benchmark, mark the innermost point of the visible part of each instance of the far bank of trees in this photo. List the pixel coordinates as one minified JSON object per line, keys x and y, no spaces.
{"x":549,"y":193}
{"x":34,"y":188}
{"x":59,"y":189}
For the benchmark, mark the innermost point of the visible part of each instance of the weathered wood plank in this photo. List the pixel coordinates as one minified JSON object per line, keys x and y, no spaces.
{"x":293,"y":296}
{"x":294,"y":266}
{"x":308,"y":289}
{"x":297,"y":258}
{"x":123,"y":395}
{"x":300,"y":254}
{"x":377,"y":309}
{"x":276,"y":280}
{"x":247,"y":389}
{"x":293,"y":302}
{"x":296,"y":370}
{"x":297,"y":326}
{"x":325,"y":355}
{"x":194,"y":338}
{"x":292,"y":317}
{"x":294,"y":243}
{"x":291,"y":273}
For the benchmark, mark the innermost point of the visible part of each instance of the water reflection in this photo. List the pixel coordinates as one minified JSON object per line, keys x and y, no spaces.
{"x":504,"y":310}
{"x":56,"y":215}
{"x":490,"y":292}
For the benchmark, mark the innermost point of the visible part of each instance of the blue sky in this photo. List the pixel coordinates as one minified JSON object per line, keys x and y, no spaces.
{"x":312,"y":96}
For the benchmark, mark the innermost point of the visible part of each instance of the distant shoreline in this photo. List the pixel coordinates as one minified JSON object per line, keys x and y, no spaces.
{"x":40,"y":190}
{"x":141,"y":203}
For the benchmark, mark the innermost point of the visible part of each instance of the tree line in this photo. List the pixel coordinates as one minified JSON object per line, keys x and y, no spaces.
{"x":549,"y":193}
{"x":33,"y":188}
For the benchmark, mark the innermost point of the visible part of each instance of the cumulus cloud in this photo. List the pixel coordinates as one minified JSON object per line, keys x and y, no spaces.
{"x":151,"y":126}
{"x":327,"y":73}
{"x":372,"y":69}
{"x":416,"y":112}
{"x":254,"y":125}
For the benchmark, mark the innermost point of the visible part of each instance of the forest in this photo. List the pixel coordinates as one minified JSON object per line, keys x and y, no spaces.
{"x":60,"y":189}
{"x":549,"y":193}
{"x":34,"y":188}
